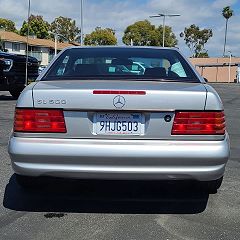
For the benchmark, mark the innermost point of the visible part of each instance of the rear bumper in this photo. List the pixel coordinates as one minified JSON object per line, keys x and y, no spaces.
{"x":119,"y":159}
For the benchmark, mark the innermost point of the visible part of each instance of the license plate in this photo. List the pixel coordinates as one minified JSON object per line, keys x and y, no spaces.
{"x":118,"y":123}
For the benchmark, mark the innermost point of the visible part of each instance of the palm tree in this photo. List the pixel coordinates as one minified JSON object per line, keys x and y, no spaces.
{"x":227,"y":12}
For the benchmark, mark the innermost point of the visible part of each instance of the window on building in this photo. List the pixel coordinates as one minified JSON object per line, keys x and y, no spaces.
{"x":34,"y":49}
{"x":16,"y":47}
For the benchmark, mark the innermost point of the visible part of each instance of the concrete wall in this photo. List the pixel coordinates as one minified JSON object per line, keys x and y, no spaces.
{"x":42,"y":55}
{"x":217,"y":74}
{"x":45,"y":56}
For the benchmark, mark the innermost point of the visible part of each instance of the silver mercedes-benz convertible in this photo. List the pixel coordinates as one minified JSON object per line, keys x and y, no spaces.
{"x":139,"y":113}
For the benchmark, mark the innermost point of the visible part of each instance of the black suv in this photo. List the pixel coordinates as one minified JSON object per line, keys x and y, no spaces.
{"x":13,"y":72}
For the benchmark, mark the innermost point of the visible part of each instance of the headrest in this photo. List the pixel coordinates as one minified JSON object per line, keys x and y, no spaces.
{"x":158,"y":71}
{"x":122,"y":61}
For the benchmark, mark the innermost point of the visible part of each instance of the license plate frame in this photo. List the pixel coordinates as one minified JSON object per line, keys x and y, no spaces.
{"x":115,"y":120}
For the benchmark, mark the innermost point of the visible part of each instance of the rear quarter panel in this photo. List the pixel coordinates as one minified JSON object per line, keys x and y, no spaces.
{"x":26,"y":98}
{"x":213,"y":101}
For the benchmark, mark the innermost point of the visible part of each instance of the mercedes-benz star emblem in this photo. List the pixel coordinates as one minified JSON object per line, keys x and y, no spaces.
{"x":119,"y":101}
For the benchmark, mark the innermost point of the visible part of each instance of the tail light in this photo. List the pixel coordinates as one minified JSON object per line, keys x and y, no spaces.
{"x":199,"y":123}
{"x":39,"y":121}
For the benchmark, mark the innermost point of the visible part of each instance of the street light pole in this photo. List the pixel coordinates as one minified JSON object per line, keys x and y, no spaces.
{"x":164,"y":19}
{"x":229,"y":66}
{"x":26,"y":70}
{"x":55,"y":41}
{"x":56,"y":37}
{"x":55,"y":44}
{"x":81,"y":22}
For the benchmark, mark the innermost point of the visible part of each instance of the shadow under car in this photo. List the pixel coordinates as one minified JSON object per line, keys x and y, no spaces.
{"x":98,"y":196}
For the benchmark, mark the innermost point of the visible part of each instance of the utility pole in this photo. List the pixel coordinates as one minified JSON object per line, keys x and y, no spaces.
{"x":164,"y":20}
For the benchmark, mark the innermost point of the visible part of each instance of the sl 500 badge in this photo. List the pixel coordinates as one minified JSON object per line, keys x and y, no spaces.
{"x":52,"y":101}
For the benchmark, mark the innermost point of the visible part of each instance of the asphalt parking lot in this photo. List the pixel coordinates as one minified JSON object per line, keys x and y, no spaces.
{"x":122,"y":210}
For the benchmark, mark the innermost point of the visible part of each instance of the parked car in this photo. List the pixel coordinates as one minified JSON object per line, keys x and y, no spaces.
{"x":41,"y":68}
{"x":13,"y":72}
{"x":86,"y":118}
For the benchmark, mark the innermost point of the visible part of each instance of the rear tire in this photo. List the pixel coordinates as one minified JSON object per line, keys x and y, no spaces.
{"x":213,"y":186}
{"x":15,"y":93}
{"x":28,"y":182}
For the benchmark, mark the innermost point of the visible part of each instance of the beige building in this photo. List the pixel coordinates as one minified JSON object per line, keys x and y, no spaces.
{"x":42,"y":49}
{"x":218,"y":69}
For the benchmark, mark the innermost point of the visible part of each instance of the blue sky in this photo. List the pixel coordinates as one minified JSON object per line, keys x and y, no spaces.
{"x":118,"y":14}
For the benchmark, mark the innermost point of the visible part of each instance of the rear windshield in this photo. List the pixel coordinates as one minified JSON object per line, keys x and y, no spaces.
{"x":121,"y":63}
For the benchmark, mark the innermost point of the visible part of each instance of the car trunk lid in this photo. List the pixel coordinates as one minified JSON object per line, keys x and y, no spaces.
{"x":158,"y":96}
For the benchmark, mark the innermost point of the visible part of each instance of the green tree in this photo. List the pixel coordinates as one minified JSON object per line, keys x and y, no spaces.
{"x":143,"y":33}
{"x":203,"y":54}
{"x":101,"y":36}
{"x":37,"y":26}
{"x":227,"y":13}
{"x":196,"y":39}
{"x":170,"y":39}
{"x":7,"y":25}
{"x":65,"y":27}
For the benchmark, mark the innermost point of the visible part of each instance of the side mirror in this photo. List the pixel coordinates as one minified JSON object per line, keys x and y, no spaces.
{"x":205,"y":80}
